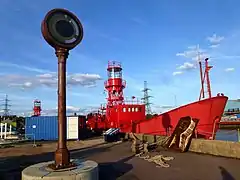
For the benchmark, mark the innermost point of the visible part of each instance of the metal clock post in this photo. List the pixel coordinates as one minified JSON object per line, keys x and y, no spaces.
{"x":63,"y":31}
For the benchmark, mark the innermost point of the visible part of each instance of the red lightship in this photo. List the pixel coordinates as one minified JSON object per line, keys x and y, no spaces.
{"x":130,"y":116}
{"x":117,"y":112}
{"x":37,"y":108}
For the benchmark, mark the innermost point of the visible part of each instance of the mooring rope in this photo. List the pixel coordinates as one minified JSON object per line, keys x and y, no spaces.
{"x":159,"y":159}
{"x":142,"y":151}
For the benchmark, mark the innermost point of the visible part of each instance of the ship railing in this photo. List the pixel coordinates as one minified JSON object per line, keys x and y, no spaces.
{"x":106,"y":83}
{"x":133,"y":102}
{"x":127,"y":101}
{"x":114,"y":64}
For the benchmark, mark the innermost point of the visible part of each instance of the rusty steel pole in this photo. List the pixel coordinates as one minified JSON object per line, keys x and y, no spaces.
{"x":62,"y":156}
{"x":63,"y":31}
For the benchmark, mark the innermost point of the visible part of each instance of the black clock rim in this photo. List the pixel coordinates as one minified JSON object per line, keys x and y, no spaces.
{"x":54,"y":42}
{"x":50,"y":18}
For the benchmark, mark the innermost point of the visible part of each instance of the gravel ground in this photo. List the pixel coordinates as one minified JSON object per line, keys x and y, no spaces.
{"x":117,"y":162}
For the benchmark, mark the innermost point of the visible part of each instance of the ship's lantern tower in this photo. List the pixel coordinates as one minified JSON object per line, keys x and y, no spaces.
{"x":115,"y":84}
{"x":37,"y":108}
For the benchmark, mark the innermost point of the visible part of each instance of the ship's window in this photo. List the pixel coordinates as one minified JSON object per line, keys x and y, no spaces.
{"x":117,"y":74}
{"x":133,"y":109}
{"x":116,"y":109}
{"x":136,"y":109}
{"x":124,"y":109}
{"x":140,"y":109}
{"x":114,"y":74}
{"x":129,"y":109}
{"x":110,"y":74}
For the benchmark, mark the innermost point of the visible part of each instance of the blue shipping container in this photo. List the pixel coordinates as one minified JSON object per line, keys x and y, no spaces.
{"x":238,"y":115}
{"x":42,"y":127}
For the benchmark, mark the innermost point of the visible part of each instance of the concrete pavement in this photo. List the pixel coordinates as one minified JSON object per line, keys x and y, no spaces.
{"x":117,"y":162}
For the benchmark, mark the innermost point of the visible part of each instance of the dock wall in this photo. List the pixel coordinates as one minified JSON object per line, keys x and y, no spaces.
{"x":212,"y":147}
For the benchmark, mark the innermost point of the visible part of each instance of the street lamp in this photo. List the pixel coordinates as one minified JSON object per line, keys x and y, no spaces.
{"x":63,"y":31}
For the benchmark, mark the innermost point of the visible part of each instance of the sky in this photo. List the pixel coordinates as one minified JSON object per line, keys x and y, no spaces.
{"x":155,"y":41}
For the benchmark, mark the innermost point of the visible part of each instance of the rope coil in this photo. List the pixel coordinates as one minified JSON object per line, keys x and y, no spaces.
{"x":142,"y":151}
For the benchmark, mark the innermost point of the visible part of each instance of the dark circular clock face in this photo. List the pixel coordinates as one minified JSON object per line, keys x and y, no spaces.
{"x":64,"y":28}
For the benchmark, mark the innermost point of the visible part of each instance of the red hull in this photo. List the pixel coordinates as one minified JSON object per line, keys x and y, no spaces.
{"x":208,"y":111}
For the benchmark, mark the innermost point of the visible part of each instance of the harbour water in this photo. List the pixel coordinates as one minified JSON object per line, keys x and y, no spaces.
{"x":227,"y":135}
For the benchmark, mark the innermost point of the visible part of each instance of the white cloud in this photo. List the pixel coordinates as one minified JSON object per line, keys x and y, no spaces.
{"x":49,"y":80}
{"x":187,"y":66}
{"x":79,"y":94}
{"x":229,"y":69}
{"x":177,"y":73}
{"x":32,"y":69}
{"x":214,"y":39}
{"x":192,"y":53}
{"x":71,"y":109}
{"x":214,"y":46}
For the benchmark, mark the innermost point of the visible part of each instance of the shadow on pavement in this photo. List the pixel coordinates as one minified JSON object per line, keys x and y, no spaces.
{"x":11,"y":167}
{"x":225,"y":174}
{"x":114,"y":170}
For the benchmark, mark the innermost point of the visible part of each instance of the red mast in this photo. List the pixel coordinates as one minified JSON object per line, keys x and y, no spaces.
{"x":207,"y":69}
{"x":202,"y":81}
{"x":205,"y":77}
{"x":115,"y":84}
{"x":37,"y":108}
